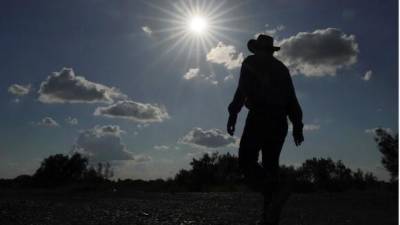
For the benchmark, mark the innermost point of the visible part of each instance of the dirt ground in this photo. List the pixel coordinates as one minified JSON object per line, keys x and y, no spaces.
{"x":350,"y":208}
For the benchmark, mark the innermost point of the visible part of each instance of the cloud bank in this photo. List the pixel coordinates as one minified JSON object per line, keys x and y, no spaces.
{"x":225,"y":55}
{"x":212,"y":138}
{"x":319,"y":53}
{"x":66,"y":87}
{"x":133,"y":111}
{"x":102,"y":143}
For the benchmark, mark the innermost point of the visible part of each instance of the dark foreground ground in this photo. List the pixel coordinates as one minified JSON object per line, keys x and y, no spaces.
{"x":358,"y":208}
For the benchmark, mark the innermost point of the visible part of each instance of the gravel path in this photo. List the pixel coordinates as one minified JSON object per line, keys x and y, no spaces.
{"x":195,"y":208}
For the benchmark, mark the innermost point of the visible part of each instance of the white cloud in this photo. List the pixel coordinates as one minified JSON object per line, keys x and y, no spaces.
{"x":71,"y":121}
{"x":311,"y":127}
{"x":271,"y":31}
{"x":197,"y":155}
{"x":102,"y":143}
{"x":133,"y":111}
{"x":147,"y":30}
{"x":373,"y":130}
{"x":212,"y":138}
{"x":307,"y":127}
{"x":194,"y":73}
{"x":367,"y":76}
{"x":47,"y":122}
{"x":19,"y":89}
{"x":319,"y":53}
{"x":66,"y":87}
{"x":161,"y":147}
{"x":228,"y":78}
{"x":142,"y":125}
{"x":211,"y":78}
{"x":226,"y":55}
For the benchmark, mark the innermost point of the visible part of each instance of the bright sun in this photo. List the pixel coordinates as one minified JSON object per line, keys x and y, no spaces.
{"x":193,"y":27}
{"x":198,"y":24}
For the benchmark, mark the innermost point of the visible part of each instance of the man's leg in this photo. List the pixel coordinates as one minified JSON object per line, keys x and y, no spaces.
{"x":249,"y":150}
{"x":270,"y":159}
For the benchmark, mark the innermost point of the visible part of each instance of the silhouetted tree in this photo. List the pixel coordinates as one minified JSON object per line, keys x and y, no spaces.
{"x":210,"y":170}
{"x":370,"y":180}
{"x":358,"y":179}
{"x":203,"y":171}
{"x":314,"y":174}
{"x":227,"y":169}
{"x":325,"y":174}
{"x":62,"y":169}
{"x":102,"y":171}
{"x":319,"y":172}
{"x":76,"y":167}
{"x":342,"y":176}
{"x":388,"y":146}
{"x":108,"y":171}
{"x":22,"y":181}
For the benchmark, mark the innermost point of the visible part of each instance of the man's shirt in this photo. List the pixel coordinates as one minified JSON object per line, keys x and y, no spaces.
{"x":265,"y":86}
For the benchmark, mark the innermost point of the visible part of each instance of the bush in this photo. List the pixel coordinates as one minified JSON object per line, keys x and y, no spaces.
{"x":219,"y":172}
{"x":62,"y":169}
{"x":388,"y":146}
{"x":209,"y":172}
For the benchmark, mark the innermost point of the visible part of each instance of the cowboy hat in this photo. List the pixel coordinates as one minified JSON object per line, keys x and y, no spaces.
{"x":263,"y":42}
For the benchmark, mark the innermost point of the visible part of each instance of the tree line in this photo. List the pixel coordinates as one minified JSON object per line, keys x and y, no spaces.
{"x":215,"y":172}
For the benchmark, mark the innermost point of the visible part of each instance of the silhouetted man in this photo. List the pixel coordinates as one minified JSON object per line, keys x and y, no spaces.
{"x":266,"y":89}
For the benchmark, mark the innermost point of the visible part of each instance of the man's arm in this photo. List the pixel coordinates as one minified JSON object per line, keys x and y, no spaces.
{"x":239,"y":98}
{"x":295,"y":114}
{"x":238,"y":101}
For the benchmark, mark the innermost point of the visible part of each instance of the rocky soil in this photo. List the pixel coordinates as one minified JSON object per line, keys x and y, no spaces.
{"x":358,"y":208}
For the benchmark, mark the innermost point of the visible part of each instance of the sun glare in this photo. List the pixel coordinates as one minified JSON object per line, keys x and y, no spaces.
{"x":198,"y":25}
{"x":193,"y":27}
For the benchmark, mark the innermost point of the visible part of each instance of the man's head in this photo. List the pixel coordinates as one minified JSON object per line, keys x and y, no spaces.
{"x":264,"y":44}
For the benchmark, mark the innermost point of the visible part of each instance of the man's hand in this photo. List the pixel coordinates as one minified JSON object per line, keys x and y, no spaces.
{"x":231,"y":124}
{"x":298,"y":136}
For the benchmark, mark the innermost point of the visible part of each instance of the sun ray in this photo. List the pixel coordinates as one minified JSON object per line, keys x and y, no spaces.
{"x":216,"y":8}
{"x":214,"y":15}
{"x":224,"y":21}
{"x":178,"y":41}
{"x":168,"y":12}
{"x":175,"y":36}
{"x":190,"y":28}
{"x":222,"y":28}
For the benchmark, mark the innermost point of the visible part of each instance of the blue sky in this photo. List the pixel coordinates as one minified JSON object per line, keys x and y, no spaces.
{"x":148,"y":94}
